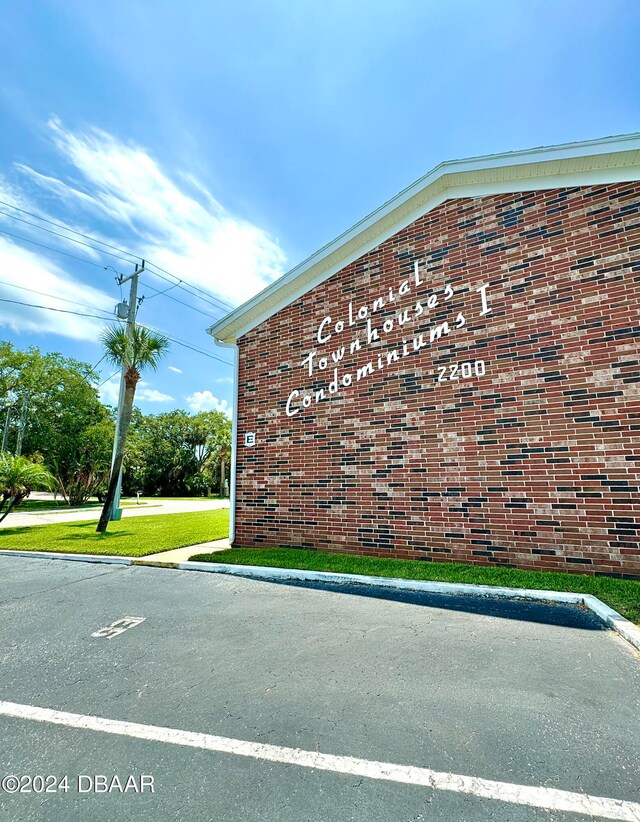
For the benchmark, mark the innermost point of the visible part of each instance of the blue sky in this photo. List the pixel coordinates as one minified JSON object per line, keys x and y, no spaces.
{"x":227,"y":142}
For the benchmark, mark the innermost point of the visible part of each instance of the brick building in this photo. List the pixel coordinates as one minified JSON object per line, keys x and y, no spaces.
{"x":457,"y":377}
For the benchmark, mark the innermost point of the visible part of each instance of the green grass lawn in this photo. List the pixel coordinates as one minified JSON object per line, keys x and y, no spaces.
{"x":621,"y":594}
{"x":131,"y":537}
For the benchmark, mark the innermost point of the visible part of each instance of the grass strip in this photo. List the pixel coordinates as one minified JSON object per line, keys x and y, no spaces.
{"x":130,"y":537}
{"x":621,"y":594}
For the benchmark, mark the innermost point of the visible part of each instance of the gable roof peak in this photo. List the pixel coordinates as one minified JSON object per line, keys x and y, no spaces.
{"x":591,"y":162}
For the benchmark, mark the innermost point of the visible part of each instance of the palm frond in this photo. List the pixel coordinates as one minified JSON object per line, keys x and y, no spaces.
{"x":143,"y":350}
{"x":149,"y":348}
{"x":116,"y":346}
{"x":18,"y":475}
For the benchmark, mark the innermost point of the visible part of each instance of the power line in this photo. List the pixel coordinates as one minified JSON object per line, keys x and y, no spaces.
{"x":176,"y":340}
{"x":57,"y":250}
{"x":175,"y":299}
{"x":106,"y":267}
{"x":51,"y":308}
{"x":53,"y":297}
{"x":181,"y":282}
{"x":181,"y":285}
{"x":66,"y":228}
{"x":115,"y":373}
{"x":184,"y":344}
{"x":191,"y":285}
{"x":65,"y":237}
{"x":99,"y":361}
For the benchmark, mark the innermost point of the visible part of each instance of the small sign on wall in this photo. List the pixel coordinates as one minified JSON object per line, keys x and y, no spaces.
{"x":250,"y":439}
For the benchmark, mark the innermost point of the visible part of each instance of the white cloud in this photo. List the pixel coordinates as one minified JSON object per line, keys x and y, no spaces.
{"x":173,"y":220}
{"x":23,"y":272}
{"x":174,"y":369}
{"x":110,"y":392}
{"x":206,"y":401}
{"x":153,"y":395}
{"x":55,"y":186}
{"x":11,"y":195}
{"x":184,"y":230}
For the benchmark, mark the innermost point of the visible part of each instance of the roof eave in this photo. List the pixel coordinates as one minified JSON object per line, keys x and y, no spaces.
{"x":611,"y":159}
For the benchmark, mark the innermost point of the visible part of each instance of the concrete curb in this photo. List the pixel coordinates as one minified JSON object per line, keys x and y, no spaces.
{"x":78,"y":557}
{"x":614,"y":620}
{"x":611,"y":618}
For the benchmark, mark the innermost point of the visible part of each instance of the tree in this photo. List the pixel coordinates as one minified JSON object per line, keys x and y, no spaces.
{"x":218,"y":446}
{"x":133,"y":351}
{"x":60,"y":419}
{"x":176,"y":452}
{"x":11,"y":363}
{"x":82,"y":462}
{"x":134,"y":463}
{"x":164,"y":453}
{"x":212,"y":444}
{"x":18,"y":478}
{"x":71,"y":429}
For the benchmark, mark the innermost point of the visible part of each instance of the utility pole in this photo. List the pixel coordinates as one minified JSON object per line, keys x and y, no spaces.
{"x":116,"y":512}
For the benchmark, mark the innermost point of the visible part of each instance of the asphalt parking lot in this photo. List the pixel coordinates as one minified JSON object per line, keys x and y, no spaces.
{"x":353,"y":707}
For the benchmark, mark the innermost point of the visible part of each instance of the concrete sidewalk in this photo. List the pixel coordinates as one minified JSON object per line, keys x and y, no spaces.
{"x":184,"y":554}
{"x":18,"y":520}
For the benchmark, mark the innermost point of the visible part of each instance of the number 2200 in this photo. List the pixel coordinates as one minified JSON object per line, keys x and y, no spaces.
{"x":463,"y":370}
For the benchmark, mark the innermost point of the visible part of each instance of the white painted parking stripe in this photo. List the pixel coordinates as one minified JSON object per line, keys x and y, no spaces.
{"x":547,"y":798}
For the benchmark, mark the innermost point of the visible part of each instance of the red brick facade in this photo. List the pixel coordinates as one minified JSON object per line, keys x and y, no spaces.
{"x":505,"y":428}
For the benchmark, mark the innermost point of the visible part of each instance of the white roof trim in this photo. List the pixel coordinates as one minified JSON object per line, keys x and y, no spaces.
{"x":595,"y":162}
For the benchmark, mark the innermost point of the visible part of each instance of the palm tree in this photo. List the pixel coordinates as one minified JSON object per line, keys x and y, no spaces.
{"x":18,"y":478}
{"x":143,"y":349}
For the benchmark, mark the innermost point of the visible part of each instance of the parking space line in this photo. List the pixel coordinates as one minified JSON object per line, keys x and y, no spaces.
{"x":537,"y":797}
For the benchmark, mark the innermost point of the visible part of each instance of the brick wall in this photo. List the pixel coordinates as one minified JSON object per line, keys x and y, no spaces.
{"x":510,"y":435}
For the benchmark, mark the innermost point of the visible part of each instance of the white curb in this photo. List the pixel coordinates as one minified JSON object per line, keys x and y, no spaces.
{"x":611,"y":618}
{"x":614,"y":620}
{"x":79,"y":557}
